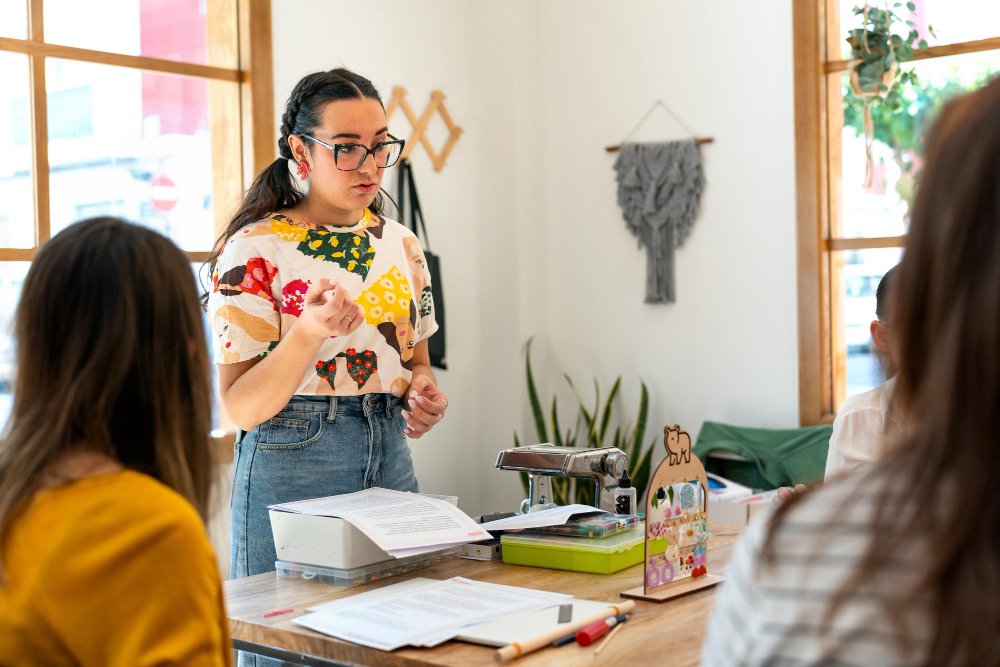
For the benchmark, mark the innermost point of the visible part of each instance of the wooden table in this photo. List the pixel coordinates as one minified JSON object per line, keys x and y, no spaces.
{"x":669,"y":632}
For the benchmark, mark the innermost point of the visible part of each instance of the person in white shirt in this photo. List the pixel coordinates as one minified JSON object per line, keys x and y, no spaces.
{"x":863,"y":419}
{"x":899,"y":563}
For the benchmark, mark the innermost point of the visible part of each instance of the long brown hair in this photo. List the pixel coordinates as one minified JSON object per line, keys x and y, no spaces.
{"x":273,"y":188}
{"x":946,"y":317}
{"x":111,"y":358}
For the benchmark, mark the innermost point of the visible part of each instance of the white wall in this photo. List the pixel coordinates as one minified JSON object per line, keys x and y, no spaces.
{"x":726,"y":350}
{"x":524,"y":213}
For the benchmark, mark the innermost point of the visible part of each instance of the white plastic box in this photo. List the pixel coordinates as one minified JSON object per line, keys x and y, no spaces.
{"x":326,"y":541}
{"x":729,"y":502}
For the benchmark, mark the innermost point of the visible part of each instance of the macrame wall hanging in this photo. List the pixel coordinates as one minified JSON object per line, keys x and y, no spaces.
{"x":659,"y":190}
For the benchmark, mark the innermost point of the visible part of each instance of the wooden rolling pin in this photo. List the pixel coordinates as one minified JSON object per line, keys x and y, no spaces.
{"x":517,"y":649}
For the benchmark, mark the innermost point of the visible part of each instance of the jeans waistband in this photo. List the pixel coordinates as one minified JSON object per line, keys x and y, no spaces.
{"x":332,"y":405}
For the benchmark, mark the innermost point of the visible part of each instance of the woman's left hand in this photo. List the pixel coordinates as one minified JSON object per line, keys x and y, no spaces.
{"x":426,"y":406}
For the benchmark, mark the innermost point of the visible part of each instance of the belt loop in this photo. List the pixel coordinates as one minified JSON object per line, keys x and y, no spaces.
{"x":388,"y":405}
{"x":331,"y":415}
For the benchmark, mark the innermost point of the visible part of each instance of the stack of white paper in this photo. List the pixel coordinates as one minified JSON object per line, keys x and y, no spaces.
{"x":401,"y":524}
{"x":554,"y":516}
{"x":424,"y":613}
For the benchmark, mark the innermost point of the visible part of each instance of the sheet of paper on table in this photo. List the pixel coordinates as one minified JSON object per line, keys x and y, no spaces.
{"x":400,"y":523}
{"x":555,"y":516}
{"x":423,"y":615}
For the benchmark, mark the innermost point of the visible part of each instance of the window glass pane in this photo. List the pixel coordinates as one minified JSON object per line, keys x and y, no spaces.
{"x":157,"y":149}
{"x":17,"y":201}
{"x":856,"y":275}
{"x":219,"y":420}
{"x":883,"y":208}
{"x":11,"y":279}
{"x":193,"y":31}
{"x":953,"y":21}
{"x":14,"y":19}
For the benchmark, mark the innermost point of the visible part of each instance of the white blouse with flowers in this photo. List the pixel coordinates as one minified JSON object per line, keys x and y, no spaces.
{"x":262,"y":276}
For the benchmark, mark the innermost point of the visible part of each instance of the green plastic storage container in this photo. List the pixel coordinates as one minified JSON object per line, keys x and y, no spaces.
{"x":580,"y":554}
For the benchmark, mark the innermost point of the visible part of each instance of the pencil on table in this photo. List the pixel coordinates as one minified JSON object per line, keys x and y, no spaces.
{"x":608,"y":638}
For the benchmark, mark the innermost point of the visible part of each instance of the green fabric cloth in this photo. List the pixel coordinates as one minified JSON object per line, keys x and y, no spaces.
{"x":776,"y":457}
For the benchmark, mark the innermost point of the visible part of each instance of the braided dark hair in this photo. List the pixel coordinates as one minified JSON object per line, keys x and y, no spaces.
{"x":273,"y":188}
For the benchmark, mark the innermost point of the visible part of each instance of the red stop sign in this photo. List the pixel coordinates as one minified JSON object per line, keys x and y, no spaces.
{"x":162,"y":193}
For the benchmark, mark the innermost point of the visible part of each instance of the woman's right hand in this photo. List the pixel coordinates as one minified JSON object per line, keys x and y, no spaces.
{"x":328,"y":310}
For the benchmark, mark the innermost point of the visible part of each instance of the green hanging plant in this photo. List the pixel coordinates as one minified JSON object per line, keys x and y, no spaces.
{"x":884,"y":39}
{"x":591,"y":427}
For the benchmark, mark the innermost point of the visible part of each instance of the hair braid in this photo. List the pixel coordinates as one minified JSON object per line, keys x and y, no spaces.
{"x":302,"y":92}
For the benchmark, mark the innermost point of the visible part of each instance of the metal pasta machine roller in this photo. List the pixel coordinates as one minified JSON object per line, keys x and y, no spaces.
{"x":604,"y":465}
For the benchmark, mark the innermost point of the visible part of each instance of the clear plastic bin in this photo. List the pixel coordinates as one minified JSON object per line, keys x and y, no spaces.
{"x":580,"y":554}
{"x":367,"y":573}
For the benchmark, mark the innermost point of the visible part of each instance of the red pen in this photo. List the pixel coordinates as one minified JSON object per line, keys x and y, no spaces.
{"x":589,"y":634}
{"x":278,"y":612}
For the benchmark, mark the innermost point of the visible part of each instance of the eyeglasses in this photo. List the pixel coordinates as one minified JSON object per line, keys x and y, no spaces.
{"x":349,"y":157}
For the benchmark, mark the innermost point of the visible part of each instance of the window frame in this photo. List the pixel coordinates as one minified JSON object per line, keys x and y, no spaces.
{"x":251,"y":21}
{"x":818,"y":126}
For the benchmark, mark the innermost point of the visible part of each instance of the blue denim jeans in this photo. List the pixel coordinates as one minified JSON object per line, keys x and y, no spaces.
{"x":316,"y":446}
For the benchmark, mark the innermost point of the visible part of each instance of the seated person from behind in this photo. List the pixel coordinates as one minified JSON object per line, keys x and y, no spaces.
{"x":105,"y":469}
{"x":898,"y":563}
{"x":863,"y":419}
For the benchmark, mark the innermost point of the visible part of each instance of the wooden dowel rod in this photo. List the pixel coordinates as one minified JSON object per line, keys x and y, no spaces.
{"x":699,"y":141}
{"x":517,"y":649}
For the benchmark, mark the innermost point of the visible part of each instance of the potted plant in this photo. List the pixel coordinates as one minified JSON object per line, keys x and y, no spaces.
{"x":882,"y":41}
{"x":591,"y":427}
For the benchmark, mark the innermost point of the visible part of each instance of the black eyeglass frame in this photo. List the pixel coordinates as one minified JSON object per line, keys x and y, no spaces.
{"x":336,"y":148}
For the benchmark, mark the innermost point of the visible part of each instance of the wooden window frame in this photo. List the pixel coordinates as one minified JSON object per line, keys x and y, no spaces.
{"x":254,"y":74}
{"x":818,"y":125}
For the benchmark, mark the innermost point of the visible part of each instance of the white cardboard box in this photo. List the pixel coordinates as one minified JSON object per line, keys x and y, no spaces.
{"x":326,"y":541}
{"x":735,"y":503}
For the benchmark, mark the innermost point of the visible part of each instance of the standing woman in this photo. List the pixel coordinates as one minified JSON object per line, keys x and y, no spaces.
{"x":321,"y":309}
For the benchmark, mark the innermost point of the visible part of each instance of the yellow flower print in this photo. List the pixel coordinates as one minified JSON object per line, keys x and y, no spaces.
{"x":387,"y":300}
{"x":287,"y":232}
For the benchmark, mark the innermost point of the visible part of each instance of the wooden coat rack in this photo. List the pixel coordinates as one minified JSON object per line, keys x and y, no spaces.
{"x":419,"y":125}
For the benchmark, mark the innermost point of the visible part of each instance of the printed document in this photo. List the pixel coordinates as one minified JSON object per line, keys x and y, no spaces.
{"x":555,"y":516}
{"x":424,"y":615}
{"x":400,"y":523}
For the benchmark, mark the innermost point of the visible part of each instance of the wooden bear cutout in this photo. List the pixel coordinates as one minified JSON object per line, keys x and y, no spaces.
{"x":676,"y":550}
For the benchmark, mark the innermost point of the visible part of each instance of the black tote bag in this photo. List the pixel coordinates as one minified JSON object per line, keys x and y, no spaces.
{"x":406,"y":187}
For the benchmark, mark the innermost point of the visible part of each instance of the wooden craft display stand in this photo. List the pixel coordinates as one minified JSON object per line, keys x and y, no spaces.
{"x":418,"y":135}
{"x":680,"y":467}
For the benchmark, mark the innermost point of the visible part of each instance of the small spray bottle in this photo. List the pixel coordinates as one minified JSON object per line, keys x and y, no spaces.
{"x":625,"y":500}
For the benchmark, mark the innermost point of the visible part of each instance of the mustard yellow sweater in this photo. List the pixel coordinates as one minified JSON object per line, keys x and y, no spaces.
{"x":111,"y":570}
